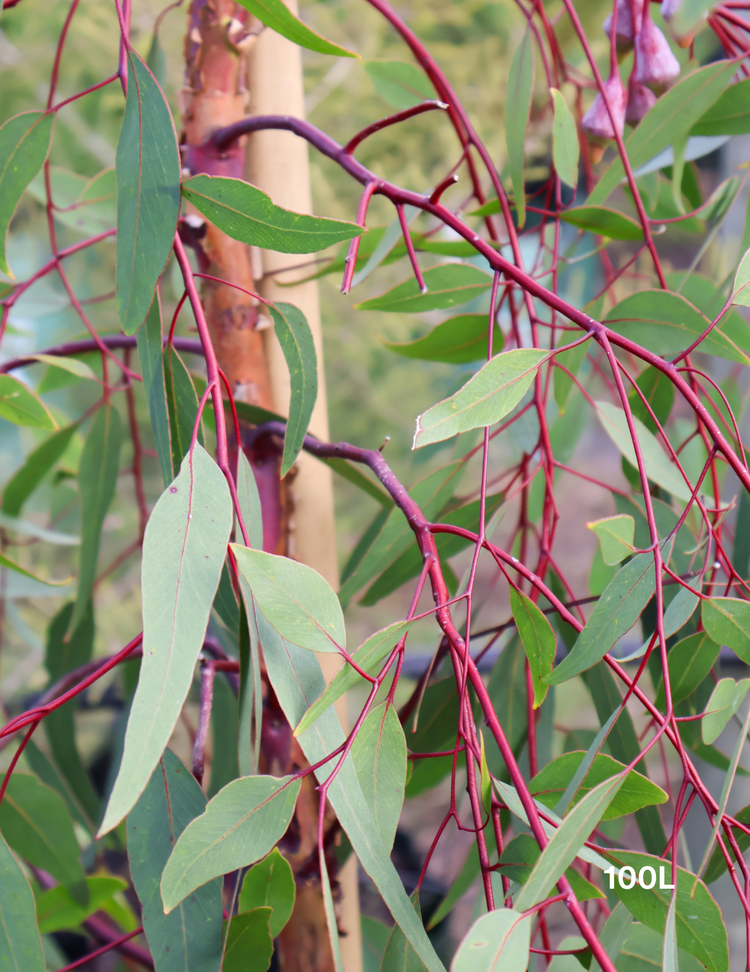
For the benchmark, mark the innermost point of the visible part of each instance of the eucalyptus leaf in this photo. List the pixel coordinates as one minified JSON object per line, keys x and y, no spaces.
{"x":400,"y":83}
{"x":148,"y":193}
{"x":727,"y":621}
{"x":270,"y":884}
{"x":497,"y":940}
{"x":183,"y":553}
{"x":615,"y":535}
{"x":448,"y":285}
{"x":150,"y":352}
{"x":492,"y":393}
{"x":459,"y":340}
{"x":565,"y":146}
{"x":538,"y":641}
{"x":517,"y":110}
{"x":19,"y":405}
{"x":276,"y":15}
{"x":603,"y":222}
{"x":726,"y":698}
{"x":689,"y":661}
{"x":20,"y":944}
{"x":38,"y":463}
{"x":379,"y":754}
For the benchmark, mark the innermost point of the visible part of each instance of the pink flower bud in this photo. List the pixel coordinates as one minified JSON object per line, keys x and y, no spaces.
{"x":625,"y":30}
{"x":656,"y":65}
{"x":640,"y":101}
{"x":597,"y":124}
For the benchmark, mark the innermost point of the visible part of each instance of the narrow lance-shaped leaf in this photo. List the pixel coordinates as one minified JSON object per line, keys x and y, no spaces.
{"x":567,"y":841}
{"x":379,"y":754}
{"x":604,"y":222}
{"x":690,"y":661}
{"x":150,"y":352}
{"x":38,"y":463}
{"x":297,"y":680}
{"x":730,"y":113}
{"x":20,"y":944}
{"x":276,"y":15}
{"x":488,"y":397}
{"x":448,"y":285}
{"x":615,"y":613}
{"x":19,"y":405}
{"x":521,"y":854}
{"x":183,"y":553}
{"x":57,"y":909}
{"x":148,"y":194}
{"x":182,"y":406}
{"x":24,"y":143}
{"x":398,"y":955}
{"x":249,"y":946}
{"x":538,"y":641}
{"x":189,"y":937}
{"x":400,"y":83}
{"x":517,"y":110}
{"x":296,"y":340}
{"x":97,"y":477}
{"x":247,"y":492}
{"x":295,"y":599}
{"x":247,"y":214}
{"x":659,"y":466}
{"x":497,"y":940}
{"x":459,"y":340}
{"x":565,"y":146}
{"x":238,"y":827}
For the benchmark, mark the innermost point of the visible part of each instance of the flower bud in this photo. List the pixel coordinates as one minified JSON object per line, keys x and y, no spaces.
{"x":597,"y":124}
{"x":625,"y":30}
{"x":669,"y":8}
{"x":640,"y":101}
{"x":656,"y":65}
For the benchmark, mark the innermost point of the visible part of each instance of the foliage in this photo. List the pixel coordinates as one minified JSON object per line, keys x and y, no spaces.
{"x":556,"y":294}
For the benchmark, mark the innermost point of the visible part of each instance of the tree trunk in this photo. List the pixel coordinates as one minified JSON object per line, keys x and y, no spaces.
{"x":298,"y":512}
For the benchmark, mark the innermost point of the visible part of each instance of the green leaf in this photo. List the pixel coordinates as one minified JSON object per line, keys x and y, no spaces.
{"x":507,"y":690}
{"x":571,"y":359}
{"x":436,"y":730}
{"x":615,"y":535}
{"x":18,"y":569}
{"x":38,"y":463}
{"x":97,"y":477}
{"x":668,"y":121}
{"x":563,"y":848}
{"x":64,"y":654}
{"x":20,"y":944}
{"x":492,"y":393}
{"x":740,"y":293}
{"x":603,"y":222}
{"x":459,"y":340}
{"x":182,"y":406}
{"x":700,"y":929}
{"x":659,"y":466}
{"x":729,"y":115}
{"x":642,"y":952}
{"x":392,"y":535}
{"x":659,"y":393}
{"x":19,"y":405}
{"x":668,"y":324}
{"x":247,"y":214}
{"x":238,"y":827}
{"x":24,"y":144}
{"x":270,"y":884}
{"x":148,"y":194}
{"x":247,"y":492}
{"x":613,"y":934}
{"x":189,"y":937}
{"x":635,"y":792}
{"x":448,"y":285}
{"x":375,"y":937}
{"x":72,"y":365}
{"x":369,"y":657}
{"x":615,"y":613}
{"x":521,"y":854}
{"x":249,"y":942}
{"x":538,"y":641}
{"x":183,"y":553}
{"x":156,"y":60}
{"x":36,"y":823}
{"x":727,"y":621}
{"x":624,"y":746}
{"x":497,"y":940}
{"x":299,"y":603}
{"x":518,"y":94}
{"x":400,"y":83}
{"x":690,"y":661}
{"x":151,"y":353}
{"x":297,"y":680}
{"x":296,"y":340}
{"x":379,"y":754}
{"x":726,"y":698}
{"x":276,"y":15}
{"x":57,"y":909}
{"x":399,"y":956}
{"x":225,"y":735}
{"x":565,"y":147}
